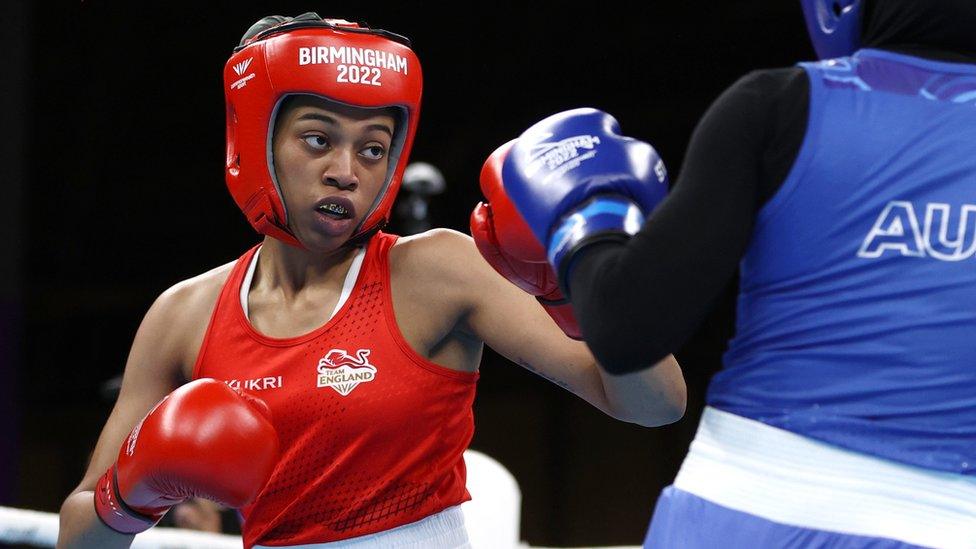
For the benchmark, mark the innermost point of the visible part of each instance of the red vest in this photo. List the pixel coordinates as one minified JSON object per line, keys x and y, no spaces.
{"x":372,"y":433}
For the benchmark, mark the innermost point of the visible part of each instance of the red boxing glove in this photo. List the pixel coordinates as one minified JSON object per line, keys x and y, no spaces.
{"x":507,"y":243}
{"x":204,"y":440}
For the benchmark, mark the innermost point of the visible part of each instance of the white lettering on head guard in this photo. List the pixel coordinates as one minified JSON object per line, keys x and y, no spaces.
{"x":348,"y":55}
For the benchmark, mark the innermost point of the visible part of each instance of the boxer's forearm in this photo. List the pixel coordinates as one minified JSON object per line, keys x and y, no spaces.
{"x":639,"y":301}
{"x":651,"y":397}
{"x":80,"y":527}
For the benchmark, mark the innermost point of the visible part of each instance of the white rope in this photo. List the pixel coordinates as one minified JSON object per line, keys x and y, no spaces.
{"x":41,"y":530}
{"x":28,"y":527}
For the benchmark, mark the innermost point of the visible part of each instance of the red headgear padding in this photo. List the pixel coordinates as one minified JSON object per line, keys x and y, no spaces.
{"x":330,"y":58}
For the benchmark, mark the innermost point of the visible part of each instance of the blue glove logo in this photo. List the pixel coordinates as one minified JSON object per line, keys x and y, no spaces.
{"x":562,"y":163}
{"x":561,"y":156}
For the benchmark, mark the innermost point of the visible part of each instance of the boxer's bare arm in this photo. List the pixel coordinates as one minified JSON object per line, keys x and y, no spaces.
{"x":513,"y":323}
{"x":160,"y":359}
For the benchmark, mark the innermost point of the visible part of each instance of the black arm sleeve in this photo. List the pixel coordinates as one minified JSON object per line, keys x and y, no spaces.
{"x":641,"y":300}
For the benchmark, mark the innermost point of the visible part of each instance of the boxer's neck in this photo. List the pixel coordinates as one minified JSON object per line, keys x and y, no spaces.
{"x":294,"y":269}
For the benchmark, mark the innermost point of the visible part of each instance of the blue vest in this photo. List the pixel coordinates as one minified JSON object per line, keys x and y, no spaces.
{"x":856,"y":320}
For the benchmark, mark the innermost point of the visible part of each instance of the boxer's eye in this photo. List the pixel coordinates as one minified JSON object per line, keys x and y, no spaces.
{"x":373,"y":152}
{"x":318,"y":142}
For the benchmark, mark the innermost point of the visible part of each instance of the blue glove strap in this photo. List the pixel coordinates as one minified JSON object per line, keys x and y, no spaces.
{"x":602,"y":215}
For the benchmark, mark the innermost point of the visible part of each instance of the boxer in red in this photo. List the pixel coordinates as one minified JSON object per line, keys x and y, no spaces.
{"x":346,"y":358}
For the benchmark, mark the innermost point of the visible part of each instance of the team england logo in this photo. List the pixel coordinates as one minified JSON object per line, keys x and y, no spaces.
{"x":343,"y":372}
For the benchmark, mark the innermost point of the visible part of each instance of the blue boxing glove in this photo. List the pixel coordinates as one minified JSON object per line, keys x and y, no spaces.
{"x":576,"y":181}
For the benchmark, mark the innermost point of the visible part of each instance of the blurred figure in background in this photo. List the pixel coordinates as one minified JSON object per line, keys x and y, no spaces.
{"x":421,"y":181}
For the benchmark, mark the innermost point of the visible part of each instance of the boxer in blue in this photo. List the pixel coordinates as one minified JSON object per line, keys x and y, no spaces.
{"x":844,"y":192}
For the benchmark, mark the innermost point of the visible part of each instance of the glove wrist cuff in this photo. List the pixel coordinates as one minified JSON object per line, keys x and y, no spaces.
{"x":114,"y":513}
{"x":562,"y":313}
{"x":604,"y":217}
{"x":554,"y":299}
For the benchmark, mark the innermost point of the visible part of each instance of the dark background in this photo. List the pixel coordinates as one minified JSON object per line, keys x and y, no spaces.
{"x":112,"y":178}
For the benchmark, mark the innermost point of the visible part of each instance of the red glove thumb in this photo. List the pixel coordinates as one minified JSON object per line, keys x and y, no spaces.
{"x":508,"y":245}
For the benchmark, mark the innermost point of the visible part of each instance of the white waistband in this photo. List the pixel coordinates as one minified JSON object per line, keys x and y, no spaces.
{"x":444,"y":530}
{"x":783,"y":477}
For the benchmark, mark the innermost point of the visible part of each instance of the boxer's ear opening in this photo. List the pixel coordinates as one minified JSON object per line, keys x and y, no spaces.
{"x":278,"y":114}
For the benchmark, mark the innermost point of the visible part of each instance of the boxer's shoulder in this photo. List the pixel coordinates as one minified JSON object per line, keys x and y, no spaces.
{"x":197,"y":293}
{"x":183,"y":311}
{"x":439,"y":256}
{"x":440,"y":270}
{"x":431,"y":294}
{"x":442,"y":263}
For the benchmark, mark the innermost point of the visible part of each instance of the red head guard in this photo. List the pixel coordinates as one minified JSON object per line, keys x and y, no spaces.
{"x":330,"y":58}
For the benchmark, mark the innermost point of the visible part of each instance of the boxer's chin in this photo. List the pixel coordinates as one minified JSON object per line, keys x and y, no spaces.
{"x":331,"y":226}
{"x":326,"y":234}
